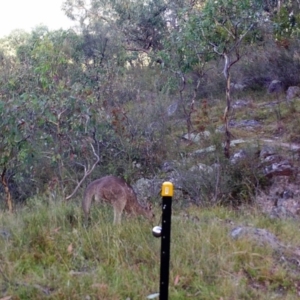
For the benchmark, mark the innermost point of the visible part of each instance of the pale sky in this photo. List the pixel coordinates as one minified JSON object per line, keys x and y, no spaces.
{"x":27,"y":14}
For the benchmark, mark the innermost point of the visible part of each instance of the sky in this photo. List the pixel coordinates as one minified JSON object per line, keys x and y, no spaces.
{"x":27,"y":14}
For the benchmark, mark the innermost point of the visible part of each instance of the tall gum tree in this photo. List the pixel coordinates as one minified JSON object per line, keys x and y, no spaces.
{"x":184,"y":55}
{"x":139,"y":24}
{"x":228,"y":26}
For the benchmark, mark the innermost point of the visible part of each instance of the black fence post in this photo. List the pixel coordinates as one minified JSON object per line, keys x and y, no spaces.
{"x":167,"y":194}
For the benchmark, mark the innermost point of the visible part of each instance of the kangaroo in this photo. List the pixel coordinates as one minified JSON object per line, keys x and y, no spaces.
{"x":118,"y":193}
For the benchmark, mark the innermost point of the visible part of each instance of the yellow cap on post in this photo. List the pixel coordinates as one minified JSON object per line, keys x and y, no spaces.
{"x":167,"y":189}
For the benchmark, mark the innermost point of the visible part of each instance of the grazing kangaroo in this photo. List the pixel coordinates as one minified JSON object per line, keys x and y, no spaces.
{"x":118,"y":193}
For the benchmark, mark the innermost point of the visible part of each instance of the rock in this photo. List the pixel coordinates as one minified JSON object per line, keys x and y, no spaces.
{"x":261,"y":236}
{"x":237,"y":142}
{"x":5,"y":234}
{"x":276,"y":86}
{"x":245,"y":123}
{"x":237,"y":86}
{"x":202,"y":168}
{"x":272,"y":159}
{"x":240,"y":155}
{"x":212,"y":148}
{"x":147,"y":188}
{"x":267,"y":151}
{"x":168,"y":166}
{"x":291,"y":146}
{"x":151,"y":188}
{"x":281,"y":212}
{"x":287,"y":194}
{"x":176,"y":178}
{"x":197,"y":138}
{"x":172,"y":109}
{"x":292,"y":92}
{"x":282,"y":168}
{"x":239,"y":104}
{"x":205,"y":150}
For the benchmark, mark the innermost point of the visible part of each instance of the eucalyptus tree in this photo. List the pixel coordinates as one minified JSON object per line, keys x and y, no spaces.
{"x":17,"y":147}
{"x":228,"y":27}
{"x":184,"y":56}
{"x":35,"y":75}
{"x":181,"y":35}
{"x":114,"y":34}
{"x":140,"y":24}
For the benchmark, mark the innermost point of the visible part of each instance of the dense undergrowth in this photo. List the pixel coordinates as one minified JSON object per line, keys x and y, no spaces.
{"x":46,"y":253}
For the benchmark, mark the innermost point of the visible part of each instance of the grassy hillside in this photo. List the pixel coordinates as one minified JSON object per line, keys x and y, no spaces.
{"x":46,"y":253}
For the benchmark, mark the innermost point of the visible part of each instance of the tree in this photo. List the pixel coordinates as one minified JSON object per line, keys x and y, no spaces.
{"x":224,"y":25}
{"x":184,"y":55}
{"x":16,"y":144}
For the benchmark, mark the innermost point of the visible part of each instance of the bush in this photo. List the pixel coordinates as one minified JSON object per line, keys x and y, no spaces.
{"x":222,"y":181}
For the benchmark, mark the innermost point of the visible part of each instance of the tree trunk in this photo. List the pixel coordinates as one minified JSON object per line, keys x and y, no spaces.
{"x":227,"y":109}
{"x":8,"y":197}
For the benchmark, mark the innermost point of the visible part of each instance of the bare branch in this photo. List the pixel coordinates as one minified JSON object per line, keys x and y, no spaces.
{"x":87,"y":172}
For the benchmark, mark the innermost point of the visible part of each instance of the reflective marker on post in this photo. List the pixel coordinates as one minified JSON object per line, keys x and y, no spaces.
{"x":167,"y":189}
{"x":167,"y":194}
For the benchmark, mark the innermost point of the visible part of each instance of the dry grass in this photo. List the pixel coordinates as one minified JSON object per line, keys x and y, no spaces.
{"x":44,"y":256}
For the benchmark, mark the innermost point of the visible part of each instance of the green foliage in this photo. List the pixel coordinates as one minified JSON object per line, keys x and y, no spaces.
{"x":142,"y":23}
{"x":184,"y":50}
{"x":217,"y":180}
{"x":225,"y":22}
{"x":16,"y":143}
{"x":286,"y":23}
{"x":241,"y":181}
{"x":110,"y":84}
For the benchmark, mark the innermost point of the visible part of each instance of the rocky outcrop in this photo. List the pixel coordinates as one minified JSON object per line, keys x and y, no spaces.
{"x":260,"y":236}
{"x":276,"y":86}
{"x":281,"y":200}
{"x":274,"y":164}
{"x":272,"y":160}
{"x":293,"y":92}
